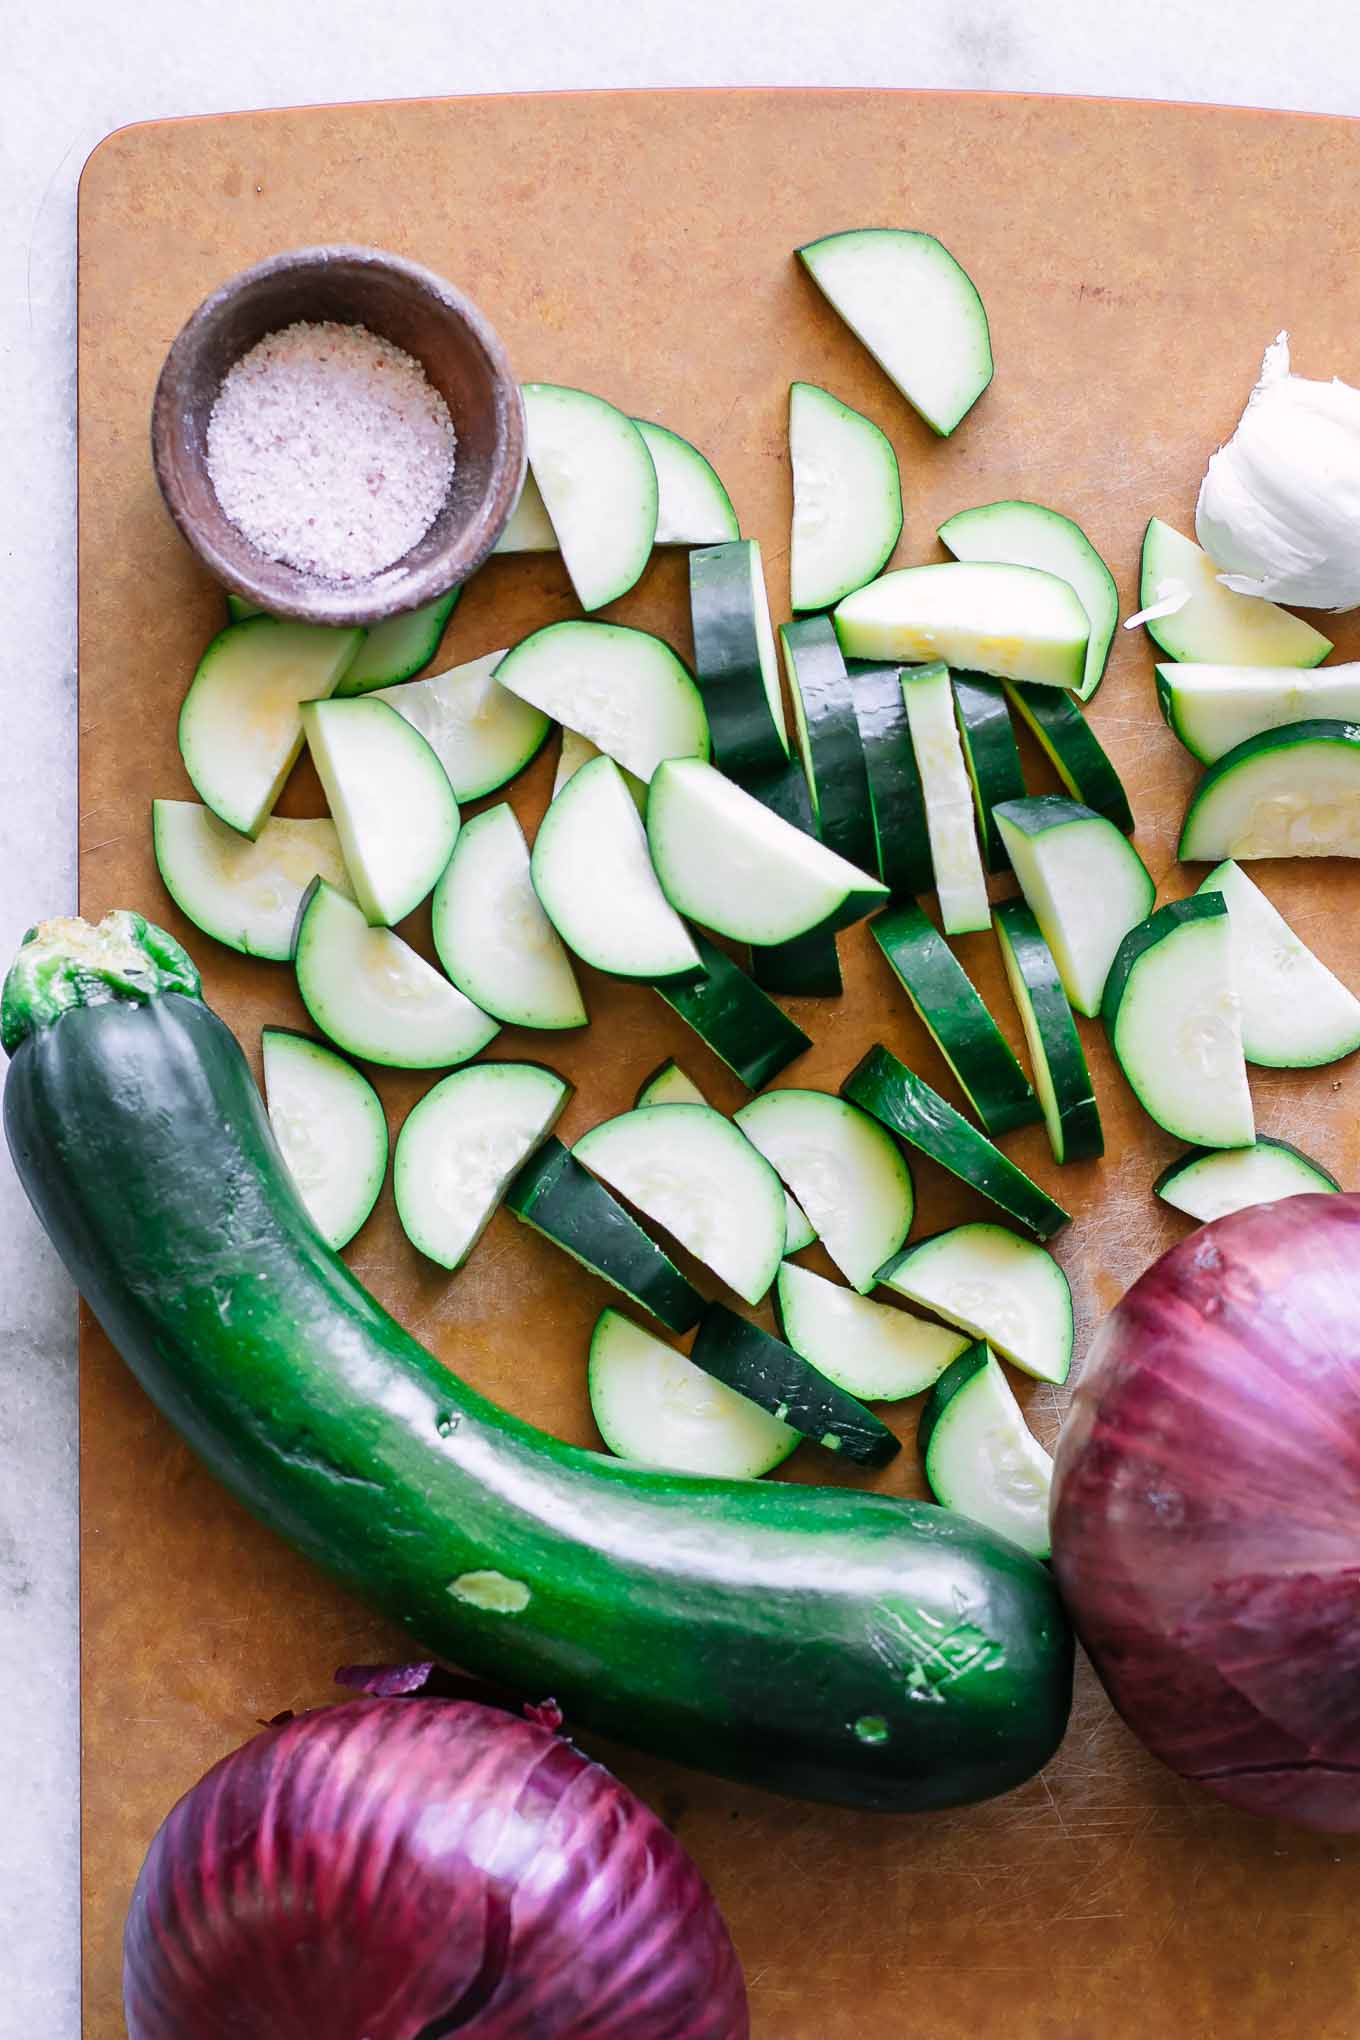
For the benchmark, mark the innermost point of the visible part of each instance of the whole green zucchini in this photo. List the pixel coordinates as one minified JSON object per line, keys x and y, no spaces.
{"x":841,"y":1645}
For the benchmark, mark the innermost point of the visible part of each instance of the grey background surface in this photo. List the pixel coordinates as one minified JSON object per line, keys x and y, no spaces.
{"x":71,"y":70}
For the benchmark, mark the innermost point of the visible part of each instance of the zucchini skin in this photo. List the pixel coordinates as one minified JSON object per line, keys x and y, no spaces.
{"x":741,"y":1627}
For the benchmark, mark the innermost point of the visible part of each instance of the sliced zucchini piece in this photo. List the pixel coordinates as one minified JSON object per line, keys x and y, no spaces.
{"x":246,"y":893}
{"x":847,"y":498}
{"x":980,"y":1457}
{"x":850,"y":1178}
{"x":594,"y":877}
{"x":374,"y":997}
{"x":693,"y":507}
{"x":1295,"y":1014}
{"x":655,"y":1407}
{"x":1014,"y":623}
{"x":481,"y":734}
{"x":329,"y":1122}
{"x":1061,"y":1076}
{"x":670,"y":1086}
{"x":1293,"y":792}
{"x":530,"y":528}
{"x":735,"y":658}
{"x":555,"y":1196}
{"x":881,"y":1085}
{"x":460,"y":1147}
{"x":809,"y":966}
{"x":731,"y":864}
{"x":691,"y":1171}
{"x":1212,"y":709}
{"x":238,"y":608}
{"x":960,"y":882}
{"x":963,"y":1030}
{"x":1084,"y":883}
{"x":897,"y":801}
{"x":1029,"y":535}
{"x":756,"y":1364}
{"x":869,"y":1349}
{"x":240,"y":728}
{"x":399,"y":647}
{"x":598,"y":486}
{"x":622,"y":688}
{"x":740,"y":1023}
{"x":1171,"y":1011}
{"x":1073,"y":749}
{"x":1208,"y":1183}
{"x":1001,"y":1288}
{"x":492,"y":935}
{"x":577,"y":751}
{"x":1211,"y":623}
{"x":916,"y":310}
{"x":990,"y":755}
{"x":827,"y":730}
{"x":393,"y":806}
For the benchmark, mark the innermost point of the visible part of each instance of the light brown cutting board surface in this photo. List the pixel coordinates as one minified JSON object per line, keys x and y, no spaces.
{"x":1134,"y":261}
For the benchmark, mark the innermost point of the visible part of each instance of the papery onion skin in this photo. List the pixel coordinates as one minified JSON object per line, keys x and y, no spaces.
{"x":1206,"y":1509}
{"x":405,"y":1869}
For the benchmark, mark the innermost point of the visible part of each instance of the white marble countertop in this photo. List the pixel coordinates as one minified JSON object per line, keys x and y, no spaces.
{"x":73,"y":70}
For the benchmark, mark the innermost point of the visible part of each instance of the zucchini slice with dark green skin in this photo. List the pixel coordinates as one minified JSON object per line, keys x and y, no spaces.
{"x":989,"y":752}
{"x":963,"y":1030}
{"x":735,"y":661}
{"x":1061,"y":1076}
{"x":741,"y":1023}
{"x":560,"y":1198}
{"x":828,"y":739}
{"x":768,"y":1372}
{"x":779,"y":1634}
{"x":1073,"y":749}
{"x":896,"y":1096}
{"x":896,"y":798}
{"x":809,"y":967}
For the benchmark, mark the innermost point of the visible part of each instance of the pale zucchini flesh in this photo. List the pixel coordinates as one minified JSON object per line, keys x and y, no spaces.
{"x":996,"y":1286}
{"x":1172,"y":1016}
{"x":692,"y":1171}
{"x":693,"y":507}
{"x":1084,"y":883}
{"x":1295,"y":1013}
{"x":1212,"y":709}
{"x":329,"y":1122}
{"x":951,"y":812}
{"x":481,"y":733}
{"x":1209,"y":622}
{"x":1293,"y":792}
{"x":244,"y":891}
{"x":391,"y":800}
{"x":915,"y":308}
{"x":872,"y":1350}
{"x":845,"y":1170}
{"x":240,"y":728}
{"x":980,"y":1456}
{"x":1208,"y":1183}
{"x":492,"y":935}
{"x":654,"y":1406}
{"x":593,"y":875}
{"x":1030,"y":535}
{"x":598,"y":486}
{"x":847,"y":498}
{"x":1014,"y":623}
{"x":376,"y":997}
{"x":461,"y":1145}
{"x":624,"y":689}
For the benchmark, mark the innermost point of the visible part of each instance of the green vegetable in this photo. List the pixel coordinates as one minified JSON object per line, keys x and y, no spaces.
{"x":743,"y":1628}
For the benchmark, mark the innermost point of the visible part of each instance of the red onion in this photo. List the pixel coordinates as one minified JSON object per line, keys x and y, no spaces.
{"x":406,"y":1869}
{"x":1206,"y":1509}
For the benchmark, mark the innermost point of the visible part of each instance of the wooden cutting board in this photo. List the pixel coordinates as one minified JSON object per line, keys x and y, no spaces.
{"x":1134,"y":259}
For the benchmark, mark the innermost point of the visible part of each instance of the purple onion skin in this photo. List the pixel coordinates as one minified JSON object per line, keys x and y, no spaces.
{"x":406,"y":1869}
{"x":1206,"y":1509}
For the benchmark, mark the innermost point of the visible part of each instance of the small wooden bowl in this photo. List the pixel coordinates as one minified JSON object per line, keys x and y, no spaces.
{"x":416,"y":310}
